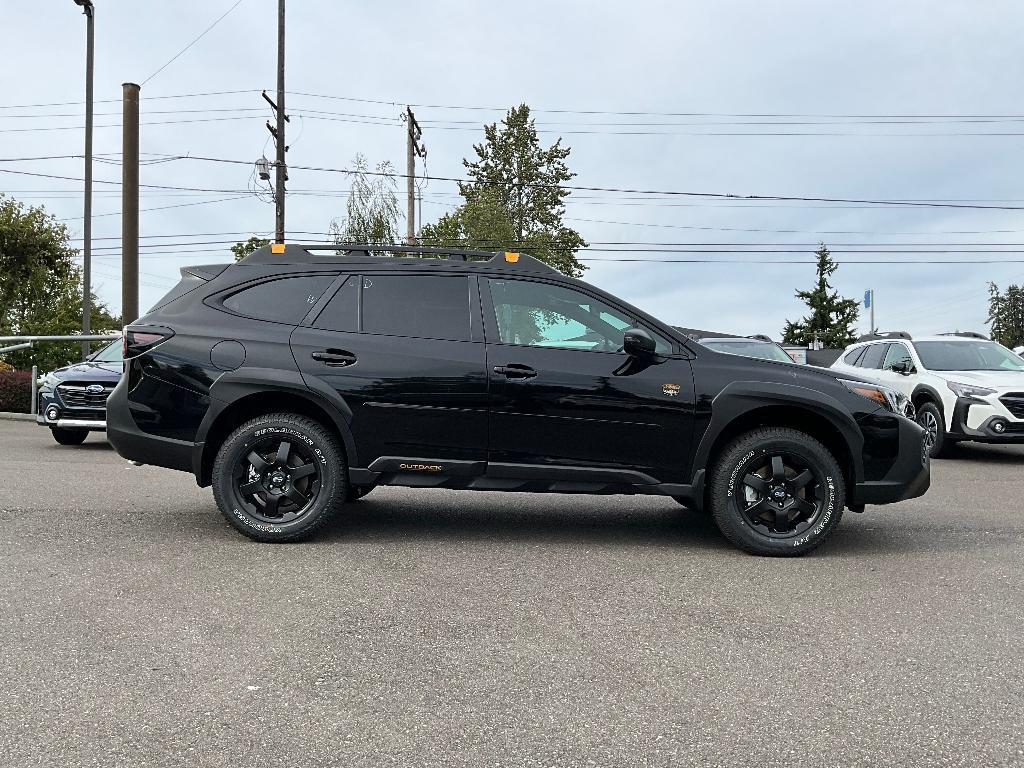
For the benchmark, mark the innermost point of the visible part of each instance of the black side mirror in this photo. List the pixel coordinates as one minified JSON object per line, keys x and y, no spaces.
{"x":902,"y":368}
{"x":637,"y":342}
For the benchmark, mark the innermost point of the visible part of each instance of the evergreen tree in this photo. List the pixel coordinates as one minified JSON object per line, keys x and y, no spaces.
{"x":1006,"y":315}
{"x":514,"y":200}
{"x":832,"y":317}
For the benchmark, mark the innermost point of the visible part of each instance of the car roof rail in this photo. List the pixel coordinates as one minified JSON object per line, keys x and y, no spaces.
{"x":885,"y":335}
{"x":406,"y":255}
{"x":761,"y":337}
{"x":966,"y":335}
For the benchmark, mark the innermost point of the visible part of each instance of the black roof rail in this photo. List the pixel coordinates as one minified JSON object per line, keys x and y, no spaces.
{"x":414,"y":255}
{"x":762,"y":337}
{"x":966,"y":335}
{"x":885,"y":335}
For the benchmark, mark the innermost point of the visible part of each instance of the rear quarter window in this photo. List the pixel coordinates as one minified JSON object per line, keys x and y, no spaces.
{"x":852,"y":358}
{"x":285,"y":300}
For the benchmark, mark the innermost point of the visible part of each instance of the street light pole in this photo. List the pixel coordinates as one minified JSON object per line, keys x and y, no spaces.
{"x":88,"y":10}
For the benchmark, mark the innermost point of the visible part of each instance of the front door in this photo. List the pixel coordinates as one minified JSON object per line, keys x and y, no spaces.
{"x":564,"y":393}
{"x":404,"y":354}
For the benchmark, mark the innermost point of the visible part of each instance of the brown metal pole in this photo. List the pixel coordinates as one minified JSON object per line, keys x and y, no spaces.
{"x":87,"y":204}
{"x":282,"y":168}
{"x":130,"y":204}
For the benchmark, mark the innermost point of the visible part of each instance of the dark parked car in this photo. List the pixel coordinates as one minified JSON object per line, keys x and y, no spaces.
{"x":299,"y":378}
{"x":73,"y":399}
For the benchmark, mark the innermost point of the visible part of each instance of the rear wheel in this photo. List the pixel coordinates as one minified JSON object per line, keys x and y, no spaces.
{"x":69,"y":436}
{"x":776,"y":491}
{"x":279,"y":477}
{"x":930,"y":417}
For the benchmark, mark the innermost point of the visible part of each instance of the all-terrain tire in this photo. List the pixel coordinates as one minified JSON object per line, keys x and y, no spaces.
{"x":728,"y":492}
{"x":321,"y":450}
{"x":69,"y":436}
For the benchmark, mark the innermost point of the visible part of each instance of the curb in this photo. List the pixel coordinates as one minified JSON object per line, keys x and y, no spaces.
{"x":7,"y":415}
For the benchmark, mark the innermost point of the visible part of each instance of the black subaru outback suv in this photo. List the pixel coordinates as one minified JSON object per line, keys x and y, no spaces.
{"x":300,"y":378}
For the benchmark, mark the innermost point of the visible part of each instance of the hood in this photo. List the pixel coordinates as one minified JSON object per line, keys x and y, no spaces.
{"x":997,"y":379}
{"x":88,"y":370}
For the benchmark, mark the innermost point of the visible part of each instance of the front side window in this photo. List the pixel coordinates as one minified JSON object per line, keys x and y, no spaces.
{"x":428,"y":307}
{"x":898,"y":354}
{"x":282,"y":301}
{"x":543,"y":315}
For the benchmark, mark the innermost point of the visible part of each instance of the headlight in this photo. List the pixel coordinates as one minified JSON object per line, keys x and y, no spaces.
{"x":889,"y":399}
{"x":968,"y":390}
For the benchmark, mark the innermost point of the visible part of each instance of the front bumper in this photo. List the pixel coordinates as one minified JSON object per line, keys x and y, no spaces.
{"x":907,"y":478}
{"x":53,"y":413}
{"x":979,"y":420}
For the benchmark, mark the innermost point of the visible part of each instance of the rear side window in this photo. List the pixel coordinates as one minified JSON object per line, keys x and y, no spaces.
{"x":431,"y":307}
{"x":873,"y":356}
{"x":342,"y":311}
{"x":281,"y":301}
{"x":852,"y":358}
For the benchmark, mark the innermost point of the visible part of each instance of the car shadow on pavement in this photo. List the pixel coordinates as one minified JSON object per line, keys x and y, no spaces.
{"x":983,"y":453}
{"x":90,"y":446}
{"x":383,"y":519}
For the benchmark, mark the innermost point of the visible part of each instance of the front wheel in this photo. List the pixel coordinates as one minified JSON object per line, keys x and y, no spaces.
{"x":776,"y":491}
{"x":279,"y":477}
{"x":69,"y":436}
{"x":930,"y":417}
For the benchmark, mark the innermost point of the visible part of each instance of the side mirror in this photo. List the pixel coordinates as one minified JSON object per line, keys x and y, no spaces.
{"x":637,"y":342}
{"x":904,"y":369}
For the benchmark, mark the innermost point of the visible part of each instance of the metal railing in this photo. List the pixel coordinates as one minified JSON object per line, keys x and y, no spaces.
{"x":26,"y":342}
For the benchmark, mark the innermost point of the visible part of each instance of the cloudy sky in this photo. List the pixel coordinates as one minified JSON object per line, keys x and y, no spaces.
{"x":739,"y":97}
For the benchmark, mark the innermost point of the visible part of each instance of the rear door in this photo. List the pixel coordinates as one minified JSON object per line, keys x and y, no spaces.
{"x":406,"y":356}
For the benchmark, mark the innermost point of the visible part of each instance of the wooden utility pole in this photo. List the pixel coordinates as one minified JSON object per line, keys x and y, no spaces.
{"x":89,"y":11}
{"x":282,"y":169}
{"x":130,"y":203}
{"x":413,"y":148}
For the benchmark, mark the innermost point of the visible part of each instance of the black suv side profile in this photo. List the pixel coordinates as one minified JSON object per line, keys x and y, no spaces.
{"x":301,"y":377}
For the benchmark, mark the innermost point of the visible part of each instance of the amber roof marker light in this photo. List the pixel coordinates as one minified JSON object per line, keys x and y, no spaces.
{"x":511,"y":257}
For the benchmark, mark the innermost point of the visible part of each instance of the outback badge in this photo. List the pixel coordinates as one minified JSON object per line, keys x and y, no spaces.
{"x":670,"y":389}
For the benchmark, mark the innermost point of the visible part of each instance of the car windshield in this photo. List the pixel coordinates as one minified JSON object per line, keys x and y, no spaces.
{"x":967,"y":356}
{"x":763,"y":350}
{"x":108,"y":354}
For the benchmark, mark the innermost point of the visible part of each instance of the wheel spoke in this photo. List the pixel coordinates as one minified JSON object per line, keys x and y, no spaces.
{"x":759,"y":507}
{"x":293,"y":493}
{"x":272,"y":501}
{"x":254,"y":487}
{"x":781,"y":519}
{"x":801,"y":480}
{"x":778,"y":469}
{"x":804,"y":507}
{"x":300,"y":472}
{"x":282,"y":453}
{"x":756,"y":482}
{"x":260,"y":464}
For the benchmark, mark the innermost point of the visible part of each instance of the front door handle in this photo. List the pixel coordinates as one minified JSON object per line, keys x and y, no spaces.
{"x":336,"y":358}
{"x":515,"y":371}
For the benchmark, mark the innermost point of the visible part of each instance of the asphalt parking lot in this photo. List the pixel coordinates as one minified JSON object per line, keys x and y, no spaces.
{"x":439,"y":628}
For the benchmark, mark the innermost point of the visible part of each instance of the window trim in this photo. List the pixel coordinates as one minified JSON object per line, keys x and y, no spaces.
{"x":492,"y":334}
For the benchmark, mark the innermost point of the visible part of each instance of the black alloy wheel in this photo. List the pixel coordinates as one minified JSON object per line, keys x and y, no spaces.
{"x":776,"y":491}
{"x":278,"y":480}
{"x":280,"y":477}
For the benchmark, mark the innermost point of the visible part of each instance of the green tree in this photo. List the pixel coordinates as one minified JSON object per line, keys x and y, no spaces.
{"x":41,"y":286}
{"x":372,"y":214}
{"x":254,"y":243}
{"x":1006,"y":315}
{"x":832,"y":317}
{"x":514,"y":200}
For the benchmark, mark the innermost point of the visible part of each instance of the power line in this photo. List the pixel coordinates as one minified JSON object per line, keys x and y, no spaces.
{"x":200,"y":37}
{"x":118,"y":101}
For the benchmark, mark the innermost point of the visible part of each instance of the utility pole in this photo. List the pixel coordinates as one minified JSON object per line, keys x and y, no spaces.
{"x":413,"y":148}
{"x":281,"y":168}
{"x":88,"y":10}
{"x":130,"y":203}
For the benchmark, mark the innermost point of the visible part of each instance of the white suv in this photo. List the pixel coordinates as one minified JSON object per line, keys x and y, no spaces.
{"x":964,"y":387}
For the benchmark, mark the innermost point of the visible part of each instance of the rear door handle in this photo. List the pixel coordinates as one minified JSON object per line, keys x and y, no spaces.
{"x":515,"y":371}
{"x":336,"y":358}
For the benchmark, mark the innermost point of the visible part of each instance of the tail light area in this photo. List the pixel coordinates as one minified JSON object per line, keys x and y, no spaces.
{"x":144,"y":338}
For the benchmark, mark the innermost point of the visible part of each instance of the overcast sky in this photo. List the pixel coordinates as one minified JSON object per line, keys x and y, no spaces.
{"x":740,"y":57}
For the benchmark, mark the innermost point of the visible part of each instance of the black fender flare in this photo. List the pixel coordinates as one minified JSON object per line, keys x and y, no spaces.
{"x":931,"y":392}
{"x":232,"y":386}
{"x":739,"y":398}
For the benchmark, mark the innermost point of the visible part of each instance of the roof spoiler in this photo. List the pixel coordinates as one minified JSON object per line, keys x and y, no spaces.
{"x":966,"y":335}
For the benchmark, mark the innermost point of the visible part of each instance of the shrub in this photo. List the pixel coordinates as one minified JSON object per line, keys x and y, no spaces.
{"x":15,"y":394}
